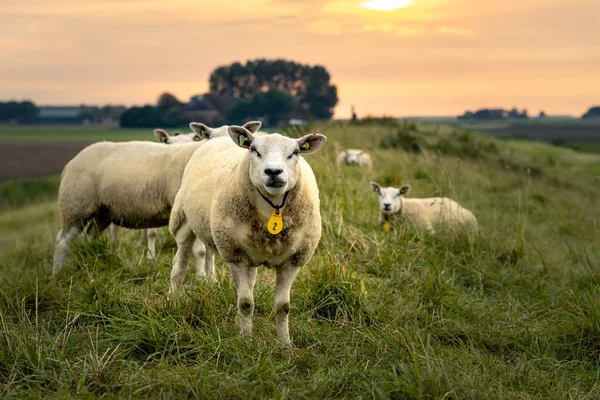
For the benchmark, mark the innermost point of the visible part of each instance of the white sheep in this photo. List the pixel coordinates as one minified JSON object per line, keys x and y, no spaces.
{"x":354,"y":157}
{"x":150,"y":234}
{"x":423,"y":214}
{"x":177,"y":138}
{"x":253,"y":201}
{"x":130,"y":184}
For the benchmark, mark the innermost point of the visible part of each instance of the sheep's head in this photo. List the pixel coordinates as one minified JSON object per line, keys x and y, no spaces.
{"x":163,"y":137}
{"x":206,"y":132}
{"x":352,"y":156}
{"x":390,"y":198}
{"x":274,"y":158}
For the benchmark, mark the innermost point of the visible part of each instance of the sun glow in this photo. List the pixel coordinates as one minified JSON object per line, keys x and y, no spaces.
{"x":386,"y":5}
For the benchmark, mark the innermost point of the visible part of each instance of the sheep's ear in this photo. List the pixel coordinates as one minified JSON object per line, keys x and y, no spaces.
{"x":253,"y":126}
{"x":311,"y":142}
{"x":161,"y":135}
{"x":201,"y":130}
{"x":404,"y":190}
{"x":241,"y":136}
{"x":375,"y":186}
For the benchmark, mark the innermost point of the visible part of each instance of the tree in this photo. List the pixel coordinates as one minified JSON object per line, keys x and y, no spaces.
{"x":310,"y":86}
{"x":273,"y":106}
{"x":593,"y":112}
{"x":141,"y":117}
{"x":166,"y":101}
{"x":24,"y":112}
{"x":241,"y":111}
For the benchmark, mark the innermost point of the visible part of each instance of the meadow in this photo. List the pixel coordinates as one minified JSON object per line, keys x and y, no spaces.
{"x":511,"y":312}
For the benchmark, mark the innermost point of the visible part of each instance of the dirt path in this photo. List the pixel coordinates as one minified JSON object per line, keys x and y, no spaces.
{"x":31,"y":159}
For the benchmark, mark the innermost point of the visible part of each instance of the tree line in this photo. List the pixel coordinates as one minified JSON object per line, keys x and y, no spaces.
{"x":487,"y":114}
{"x":270,"y":90}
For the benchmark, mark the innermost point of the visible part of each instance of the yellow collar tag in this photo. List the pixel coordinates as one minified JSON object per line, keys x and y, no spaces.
{"x":275,"y":224}
{"x":386,"y":226}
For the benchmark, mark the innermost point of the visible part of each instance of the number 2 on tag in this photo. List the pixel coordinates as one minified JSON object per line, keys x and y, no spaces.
{"x":275,"y":224}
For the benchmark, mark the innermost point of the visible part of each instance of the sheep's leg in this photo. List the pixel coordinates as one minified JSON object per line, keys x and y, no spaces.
{"x":151,"y":235}
{"x":142,"y":237}
{"x":62,"y":245}
{"x":96,"y":227}
{"x":199,"y":251}
{"x":209,"y":267}
{"x":114,"y":233}
{"x":185,"y":239}
{"x":244,"y":278}
{"x":285,"y":278}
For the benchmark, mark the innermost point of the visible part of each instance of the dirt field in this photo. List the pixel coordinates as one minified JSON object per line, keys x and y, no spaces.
{"x":29,"y":159}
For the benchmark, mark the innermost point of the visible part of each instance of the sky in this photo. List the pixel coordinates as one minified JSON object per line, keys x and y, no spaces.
{"x":392,"y":57}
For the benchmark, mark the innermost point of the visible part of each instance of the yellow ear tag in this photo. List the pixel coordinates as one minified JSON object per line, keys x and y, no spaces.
{"x":386,"y":226}
{"x":275,"y":224}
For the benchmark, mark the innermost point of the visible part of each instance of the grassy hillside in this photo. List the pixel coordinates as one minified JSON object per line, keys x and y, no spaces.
{"x":510,"y":313}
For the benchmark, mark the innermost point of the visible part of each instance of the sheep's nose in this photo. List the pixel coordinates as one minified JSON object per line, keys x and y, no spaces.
{"x":273,"y":171}
{"x":386,"y":206}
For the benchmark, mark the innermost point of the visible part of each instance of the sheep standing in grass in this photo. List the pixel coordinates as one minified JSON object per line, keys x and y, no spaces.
{"x":354,"y":157}
{"x":150,"y":234}
{"x":422,"y":214}
{"x":253,"y":201}
{"x":130,"y":184}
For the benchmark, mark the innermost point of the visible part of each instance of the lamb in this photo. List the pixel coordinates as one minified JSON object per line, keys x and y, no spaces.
{"x":422,"y":214}
{"x":354,"y":157}
{"x":130,"y":184}
{"x":253,"y":201}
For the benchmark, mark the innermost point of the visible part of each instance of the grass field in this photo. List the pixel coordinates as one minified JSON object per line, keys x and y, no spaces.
{"x":73,"y":132}
{"x":580,"y":134}
{"x":513,"y":312}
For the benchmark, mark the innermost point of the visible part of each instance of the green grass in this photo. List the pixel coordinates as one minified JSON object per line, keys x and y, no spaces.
{"x":510,"y":313}
{"x":19,"y":192}
{"x":74,"y":132}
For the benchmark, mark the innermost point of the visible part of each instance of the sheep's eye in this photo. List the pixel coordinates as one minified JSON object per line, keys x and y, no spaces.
{"x":196,"y":138}
{"x":253,"y":150}
{"x":295,"y":153}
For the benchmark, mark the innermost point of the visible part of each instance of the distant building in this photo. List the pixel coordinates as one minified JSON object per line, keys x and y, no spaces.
{"x":86,"y":115}
{"x":61,"y":115}
{"x":208,"y":108}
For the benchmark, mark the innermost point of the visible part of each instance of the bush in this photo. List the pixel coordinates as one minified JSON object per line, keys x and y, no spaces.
{"x":403,"y":139}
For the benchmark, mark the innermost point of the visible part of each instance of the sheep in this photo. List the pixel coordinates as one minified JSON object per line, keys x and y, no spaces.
{"x":354,"y":157}
{"x":163,"y":137}
{"x":253,"y":201}
{"x":422,"y":214}
{"x":150,"y":234}
{"x":130,"y":184}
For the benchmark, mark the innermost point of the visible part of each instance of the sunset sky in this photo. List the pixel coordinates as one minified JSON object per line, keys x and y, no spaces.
{"x":419,"y":57}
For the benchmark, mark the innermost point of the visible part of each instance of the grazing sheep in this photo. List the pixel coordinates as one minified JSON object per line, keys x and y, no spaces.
{"x":354,"y":157}
{"x":423,"y":214}
{"x":130,"y":184}
{"x":253,"y":201}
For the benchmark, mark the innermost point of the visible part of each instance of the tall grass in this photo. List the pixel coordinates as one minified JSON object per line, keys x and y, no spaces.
{"x":509,"y":313}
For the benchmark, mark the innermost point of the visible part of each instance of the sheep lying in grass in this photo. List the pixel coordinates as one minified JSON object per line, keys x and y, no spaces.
{"x":422,"y":214}
{"x":354,"y":157}
{"x":130,"y":184}
{"x":253,"y":201}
